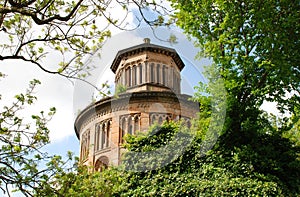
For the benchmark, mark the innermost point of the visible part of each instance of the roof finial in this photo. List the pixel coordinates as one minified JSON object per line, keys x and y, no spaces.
{"x":147,"y":40}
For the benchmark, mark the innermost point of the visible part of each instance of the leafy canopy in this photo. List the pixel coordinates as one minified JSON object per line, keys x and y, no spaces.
{"x":255,"y":45}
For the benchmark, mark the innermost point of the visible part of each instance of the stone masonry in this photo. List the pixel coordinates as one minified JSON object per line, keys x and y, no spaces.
{"x":150,"y":74}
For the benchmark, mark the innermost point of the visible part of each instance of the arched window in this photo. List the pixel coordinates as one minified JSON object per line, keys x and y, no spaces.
{"x":130,"y":128}
{"x":127,"y":71}
{"x":140,"y":74}
{"x":82,"y":149}
{"x":160,"y":120}
{"x":129,"y":77}
{"x":164,"y":75}
{"x":158,"y":73}
{"x":152,"y":73}
{"x":85,"y":145}
{"x":134,"y":75}
{"x":103,"y":136}
{"x":101,"y":163}
{"x":136,"y":123}
{"x":167,"y":76}
{"x":88,"y":141}
{"x":153,"y":119}
{"x":168,"y":118}
{"x":107,"y":133}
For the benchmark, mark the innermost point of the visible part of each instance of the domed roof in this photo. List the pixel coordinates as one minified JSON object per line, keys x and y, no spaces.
{"x":147,"y":46}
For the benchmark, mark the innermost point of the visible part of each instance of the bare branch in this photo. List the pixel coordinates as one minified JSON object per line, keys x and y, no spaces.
{"x":19,"y":8}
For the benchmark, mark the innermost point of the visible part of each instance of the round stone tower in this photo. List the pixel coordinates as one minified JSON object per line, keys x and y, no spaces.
{"x":147,"y":79}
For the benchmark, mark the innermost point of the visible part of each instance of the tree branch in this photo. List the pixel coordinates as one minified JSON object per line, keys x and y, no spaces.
{"x":33,"y":15}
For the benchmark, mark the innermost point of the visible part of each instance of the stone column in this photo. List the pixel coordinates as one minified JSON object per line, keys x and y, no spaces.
{"x":126,"y":125}
{"x":154,"y":73}
{"x":126,"y":76}
{"x":123,"y":77}
{"x":108,"y":124}
{"x":105,"y":135}
{"x":101,"y":135}
{"x":137,"y":74}
{"x":134,"y":75}
{"x":131,"y":77}
{"x":96,"y":146}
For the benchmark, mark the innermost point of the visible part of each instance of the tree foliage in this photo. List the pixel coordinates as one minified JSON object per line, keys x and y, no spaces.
{"x":34,"y":31}
{"x":21,"y":141}
{"x":82,"y":181}
{"x":270,"y":168}
{"x":255,"y":49}
{"x":254,"y":44}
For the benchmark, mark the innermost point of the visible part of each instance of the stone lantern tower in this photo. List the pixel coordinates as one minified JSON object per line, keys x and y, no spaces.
{"x":150,"y":77}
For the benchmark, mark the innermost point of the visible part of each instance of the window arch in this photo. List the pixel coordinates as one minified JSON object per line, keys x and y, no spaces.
{"x":101,"y":163}
{"x":153,"y":119}
{"x":130,"y":126}
{"x":85,"y":143}
{"x":160,"y":120}
{"x":103,"y":136}
{"x":168,"y":118}
{"x":136,"y":123}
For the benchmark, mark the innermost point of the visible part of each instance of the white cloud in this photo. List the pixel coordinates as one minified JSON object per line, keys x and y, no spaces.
{"x":54,"y":91}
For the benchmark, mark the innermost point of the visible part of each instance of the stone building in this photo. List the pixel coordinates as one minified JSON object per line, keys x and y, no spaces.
{"x":150,"y":77}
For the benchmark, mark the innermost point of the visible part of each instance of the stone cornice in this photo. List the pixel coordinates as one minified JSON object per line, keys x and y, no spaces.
{"x":113,"y":104}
